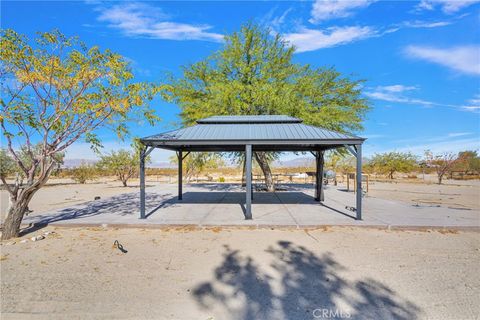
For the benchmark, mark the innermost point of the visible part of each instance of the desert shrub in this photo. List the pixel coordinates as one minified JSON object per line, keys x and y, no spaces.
{"x":221,"y":179}
{"x":83,"y":172}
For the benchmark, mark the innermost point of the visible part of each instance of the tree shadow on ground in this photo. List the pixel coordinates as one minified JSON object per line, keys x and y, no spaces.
{"x":301,"y":286}
{"x":127,"y":204}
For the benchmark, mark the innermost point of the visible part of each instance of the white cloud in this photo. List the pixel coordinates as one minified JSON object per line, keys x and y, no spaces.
{"x":475,"y":100}
{"x":309,"y":39}
{"x":396,"y":88}
{"x":458,"y":134}
{"x":475,"y":109}
{"x":413,"y":24}
{"x":465,"y":59}
{"x":390,"y":97}
{"x":397,"y":94}
{"x":331,"y":9}
{"x":142,"y":20}
{"x":426,"y":24}
{"x":473,"y":105}
{"x":278,"y":21}
{"x":393,"y":93}
{"x":447,"y":6}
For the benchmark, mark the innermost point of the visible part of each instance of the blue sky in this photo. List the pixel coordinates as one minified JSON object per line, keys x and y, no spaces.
{"x":421,"y":59}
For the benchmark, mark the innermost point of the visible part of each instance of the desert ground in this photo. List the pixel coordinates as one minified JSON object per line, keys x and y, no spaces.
{"x":215,"y":273}
{"x":60,"y":193}
{"x":243,"y":272}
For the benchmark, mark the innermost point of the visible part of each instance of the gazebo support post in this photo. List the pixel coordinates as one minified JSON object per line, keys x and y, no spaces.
{"x":248,"y":179}
{"x":319,"y":160}
{"x":144,"y":152}
{"x":142,"y":183}
{"x":358,"y":180}
{"x":180,"y":172}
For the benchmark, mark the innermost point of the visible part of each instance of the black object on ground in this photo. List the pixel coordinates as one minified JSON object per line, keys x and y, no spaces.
{"x":117,"y":245}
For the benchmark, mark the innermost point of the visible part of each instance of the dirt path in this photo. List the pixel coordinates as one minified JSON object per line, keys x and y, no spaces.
{"x":241,"y":274}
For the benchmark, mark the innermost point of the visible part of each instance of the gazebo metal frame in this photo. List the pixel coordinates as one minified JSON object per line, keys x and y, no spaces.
{"x":250,"y":134}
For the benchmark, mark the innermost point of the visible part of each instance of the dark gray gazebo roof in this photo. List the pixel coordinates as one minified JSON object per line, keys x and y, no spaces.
{"x":266,"y":133}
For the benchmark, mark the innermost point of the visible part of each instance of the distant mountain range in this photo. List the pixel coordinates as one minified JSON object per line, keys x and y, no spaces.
{"x":73,"y":163}
{"x":161,"y":164}
{"x":297,"y":162}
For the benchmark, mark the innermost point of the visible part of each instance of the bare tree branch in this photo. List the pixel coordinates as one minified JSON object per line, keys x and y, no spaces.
{"x":5,"y":183}
{"x":12,"y":151}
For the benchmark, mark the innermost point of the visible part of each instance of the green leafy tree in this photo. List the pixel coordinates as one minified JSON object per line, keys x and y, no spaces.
{"x":391,"y":162}
{"x":7,"y":165}
{"x":56,"y":91}
{"x":345,"y":165}
{"x":197,"y":162}
{"x":468,"y":161}
{"x":368,"y":167}
{"x":124,"y":164}
{"x":333,"y":160}
{"x":254,"y":74}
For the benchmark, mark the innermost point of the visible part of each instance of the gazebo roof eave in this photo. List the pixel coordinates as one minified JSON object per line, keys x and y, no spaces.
{"x":243,"y":142}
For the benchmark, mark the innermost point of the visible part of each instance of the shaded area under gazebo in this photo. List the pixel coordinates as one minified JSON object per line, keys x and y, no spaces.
{"x":250,"y":134}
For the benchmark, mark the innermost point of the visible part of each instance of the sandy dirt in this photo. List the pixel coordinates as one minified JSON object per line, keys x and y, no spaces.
{"x":463,"y":194}
{"x":62,"y":193}
{"x":185,"y":273}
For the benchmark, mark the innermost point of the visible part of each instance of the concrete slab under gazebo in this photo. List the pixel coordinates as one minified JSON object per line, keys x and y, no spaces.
{"x":249,"y":134}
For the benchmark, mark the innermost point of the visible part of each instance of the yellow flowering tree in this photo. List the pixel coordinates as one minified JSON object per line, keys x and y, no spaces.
{"x":55,"y":91}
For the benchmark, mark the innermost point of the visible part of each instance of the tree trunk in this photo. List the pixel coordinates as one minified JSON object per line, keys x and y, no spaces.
{"x":124,"y":182}
{"x":262,"y":161}
{"x":390,"y":175}
{"x":21,"y":198}
{"x":11,"y":225}
{"x":440,"y":178}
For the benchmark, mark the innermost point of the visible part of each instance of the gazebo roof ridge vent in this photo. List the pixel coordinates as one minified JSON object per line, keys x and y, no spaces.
{"x":242,"y":119}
